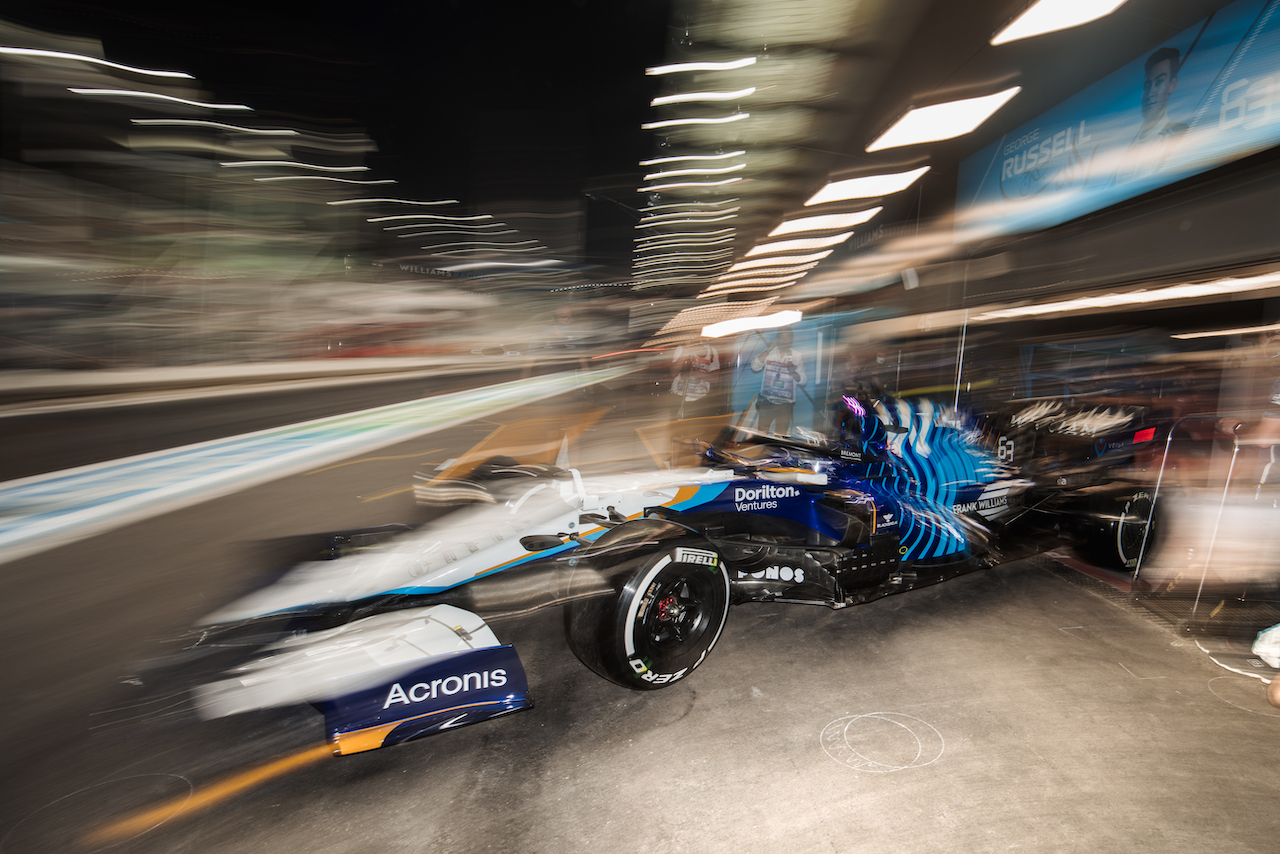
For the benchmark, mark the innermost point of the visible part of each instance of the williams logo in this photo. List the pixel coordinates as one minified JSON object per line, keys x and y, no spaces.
{"x":990,"y":504}
{"x":762,"y":497}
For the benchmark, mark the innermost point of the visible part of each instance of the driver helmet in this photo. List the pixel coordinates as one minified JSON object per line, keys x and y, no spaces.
{"x":860,"y":429}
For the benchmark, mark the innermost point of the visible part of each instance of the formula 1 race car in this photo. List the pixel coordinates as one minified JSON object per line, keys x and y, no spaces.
{"x":386,"y":632}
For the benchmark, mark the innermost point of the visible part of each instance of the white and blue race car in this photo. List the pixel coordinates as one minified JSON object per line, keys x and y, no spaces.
{"x":386,"y":631}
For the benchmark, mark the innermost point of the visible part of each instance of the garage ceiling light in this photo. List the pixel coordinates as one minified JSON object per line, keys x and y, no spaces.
{"x":1221,"y":333}
{"x":775,"y":261}
{"x":1189,"y":290}
{"x":824,"y":222}
{"x":1049,"y":16}
{"x":942,"y":121}
{"x":779,"y":270}
{"x":800,"y":245}
{"x":870,"y":187}
{"x":743,"y":324}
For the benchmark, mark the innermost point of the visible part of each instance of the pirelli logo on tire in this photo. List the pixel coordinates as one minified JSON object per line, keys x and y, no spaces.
{"x":701,"y":557}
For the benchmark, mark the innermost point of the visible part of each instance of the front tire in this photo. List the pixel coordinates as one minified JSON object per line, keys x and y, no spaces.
{"x":667,"y":615}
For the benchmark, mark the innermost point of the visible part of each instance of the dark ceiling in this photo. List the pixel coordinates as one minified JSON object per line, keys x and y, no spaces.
{"x":469,"y":98}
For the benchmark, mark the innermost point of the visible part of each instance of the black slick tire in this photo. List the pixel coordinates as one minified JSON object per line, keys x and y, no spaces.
{"x":668,"y":613}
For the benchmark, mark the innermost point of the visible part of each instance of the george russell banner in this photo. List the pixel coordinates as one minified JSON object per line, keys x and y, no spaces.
{"x":1206,"y":97}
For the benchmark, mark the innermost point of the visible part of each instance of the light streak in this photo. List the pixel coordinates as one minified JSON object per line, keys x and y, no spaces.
{"x":211,"y":124}
{"x":676,"y":68}
{"x":702,"y":96}
{"x":293,"y":164}
{"x":658,"y":160}
{"x":699,"y":120}
{"x":132,"y":93}
{"x":79,"y":57}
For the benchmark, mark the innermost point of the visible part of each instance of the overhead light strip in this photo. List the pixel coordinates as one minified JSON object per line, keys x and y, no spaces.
{"x":868,"y":187}
{"x":753,"y":289}
{"x":744,"y":324}
{"x":824,"y":222}
{"x":786,"y":259}
{"x":1049,"y":16}
{"x":1221,"y":287}
{"x":1222,"y":333}
{"x":942,"y":121}
{"x":781,"y":270}
{"x":800,"y":245}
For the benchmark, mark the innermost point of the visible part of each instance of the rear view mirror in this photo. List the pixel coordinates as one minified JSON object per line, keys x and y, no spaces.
{"x":539,"y":542}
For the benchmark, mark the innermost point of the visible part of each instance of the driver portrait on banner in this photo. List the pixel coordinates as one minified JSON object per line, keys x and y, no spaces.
{"x":1158,"y":135}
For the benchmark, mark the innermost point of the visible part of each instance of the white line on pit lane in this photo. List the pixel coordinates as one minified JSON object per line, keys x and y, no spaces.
{"x":43,"y":511}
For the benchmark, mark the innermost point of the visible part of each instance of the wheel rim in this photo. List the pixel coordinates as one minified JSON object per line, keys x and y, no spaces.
{"x":679,"y":615}
{"x":1133,"y":529}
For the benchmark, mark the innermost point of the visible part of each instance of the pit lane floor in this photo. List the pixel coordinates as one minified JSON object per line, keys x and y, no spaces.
{"x":1004,"y":710}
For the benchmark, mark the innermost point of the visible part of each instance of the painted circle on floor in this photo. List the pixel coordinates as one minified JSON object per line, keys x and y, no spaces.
{"x":880,"y":742}
{"x":1243,"y":693}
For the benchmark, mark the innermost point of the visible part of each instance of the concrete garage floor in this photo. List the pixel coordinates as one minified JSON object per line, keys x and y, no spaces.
{"x":1007,"y":710}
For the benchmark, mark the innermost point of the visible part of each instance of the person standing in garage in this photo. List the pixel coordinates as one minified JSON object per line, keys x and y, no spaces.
{"x":783,"y":368}
{"x":695,"y":368}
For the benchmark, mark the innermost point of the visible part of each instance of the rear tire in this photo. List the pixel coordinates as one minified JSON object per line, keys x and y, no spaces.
{"x":666,"y":617}
{"x":1118,"y":544}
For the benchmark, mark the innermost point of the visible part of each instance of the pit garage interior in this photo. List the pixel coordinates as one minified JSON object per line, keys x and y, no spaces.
{"x":1043,"y":703}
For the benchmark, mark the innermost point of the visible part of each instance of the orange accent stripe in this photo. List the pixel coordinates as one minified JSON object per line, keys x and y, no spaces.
{"x":372,"y":738}
{"x":143,"y":821}
{"x":684,"y":494}
{"x":360,"y":740}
